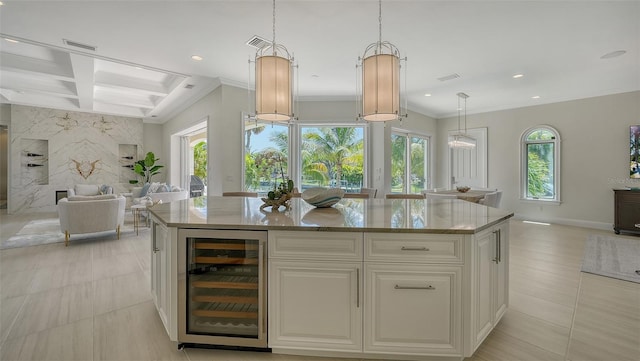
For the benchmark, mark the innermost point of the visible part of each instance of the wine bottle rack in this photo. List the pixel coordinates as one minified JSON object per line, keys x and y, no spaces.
{"x":223,"y":287}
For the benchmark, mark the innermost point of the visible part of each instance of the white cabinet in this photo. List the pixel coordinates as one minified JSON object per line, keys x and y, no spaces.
{"x":413,"y":309}
{"x":413,"y":293}
{"x":491,"y":260}
{"x":315,"y":305}
{"x":315,"y":290}
{"x":163,"y":291}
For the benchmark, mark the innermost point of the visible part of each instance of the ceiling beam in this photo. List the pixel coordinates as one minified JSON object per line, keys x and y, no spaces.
{"x":83,"y":71}
{"x":29,"y":65}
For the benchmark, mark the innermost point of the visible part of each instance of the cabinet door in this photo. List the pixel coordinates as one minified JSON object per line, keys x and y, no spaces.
{"x":485,"y":254}
{"x":159,"y":271}
{"x":413,"y":309}
{"x":315,"y":305}
{"x":501,"y":270}
{"x":627,"y":211}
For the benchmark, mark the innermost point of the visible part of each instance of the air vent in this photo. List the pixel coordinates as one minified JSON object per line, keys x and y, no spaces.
{"x":79,"y":45}
{"x":189,"y":86}
{"x":449,"y":77}
{"x":257,"y":42}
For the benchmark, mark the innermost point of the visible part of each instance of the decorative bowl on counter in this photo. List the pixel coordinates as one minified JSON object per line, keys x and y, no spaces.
{"x":322,"y":197}
{"x":463,"y":189}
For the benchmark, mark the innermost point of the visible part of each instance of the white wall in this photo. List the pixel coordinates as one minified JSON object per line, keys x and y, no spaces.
{"x":73,"y":147}
{"x":151,"y":136}
{"x":595,"y":155}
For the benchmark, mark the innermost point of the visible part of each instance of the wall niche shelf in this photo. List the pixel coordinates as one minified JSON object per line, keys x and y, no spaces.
{"x":127,"y":157}
{"x":34,"y":161}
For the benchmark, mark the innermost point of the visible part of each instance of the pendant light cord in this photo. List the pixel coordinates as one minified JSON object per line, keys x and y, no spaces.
{"x":465,"y":116}
{"x":458,"y":114}
{"x":380,"y":21}
{"x":274,"y":23}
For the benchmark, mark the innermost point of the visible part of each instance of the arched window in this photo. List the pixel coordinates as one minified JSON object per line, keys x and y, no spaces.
{"x":540,"y":173}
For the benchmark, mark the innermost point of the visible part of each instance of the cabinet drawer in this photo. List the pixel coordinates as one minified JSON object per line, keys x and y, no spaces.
{"x":316,"y":245}
{"x":406,"y":247}
{"x":413,"y":309}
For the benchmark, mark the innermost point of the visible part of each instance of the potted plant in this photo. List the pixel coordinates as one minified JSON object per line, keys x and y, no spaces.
{"x":282,"y":191}
{"x":147,"y":167}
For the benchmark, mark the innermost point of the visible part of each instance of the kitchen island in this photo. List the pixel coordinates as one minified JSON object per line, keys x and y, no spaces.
{"x":366,"y":278}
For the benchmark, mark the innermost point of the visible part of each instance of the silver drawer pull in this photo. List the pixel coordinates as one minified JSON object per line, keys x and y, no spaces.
{"x":637,"y":225}
{"x":414,"y":249}
{"x":429,"y":287}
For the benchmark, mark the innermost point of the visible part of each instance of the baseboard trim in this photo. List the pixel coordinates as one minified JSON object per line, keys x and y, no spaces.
{"x":567,"y":222}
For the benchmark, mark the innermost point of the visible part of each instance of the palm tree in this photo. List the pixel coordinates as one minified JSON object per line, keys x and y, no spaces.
{"x":249,"y":129}
{"x":327,"y":150}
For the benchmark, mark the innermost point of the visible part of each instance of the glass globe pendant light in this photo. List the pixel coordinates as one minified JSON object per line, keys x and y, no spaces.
{"x":460,"y":139}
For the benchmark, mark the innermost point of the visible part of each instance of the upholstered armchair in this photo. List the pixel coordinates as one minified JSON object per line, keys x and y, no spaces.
{"x":89,"y":214}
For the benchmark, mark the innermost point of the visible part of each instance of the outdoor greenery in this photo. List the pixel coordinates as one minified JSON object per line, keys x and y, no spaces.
{"x":540,"y":165}
{"x":330,"y":157}
{"x":399,"y":163}
{"x":200,"y":161}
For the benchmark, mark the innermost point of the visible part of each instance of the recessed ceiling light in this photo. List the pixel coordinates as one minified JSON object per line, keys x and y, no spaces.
{"x":11,"y":40}
{"x":535,"y":97}
{"x":613,"y":54}
{"x":516,"y":76}
{"x":427,"y":95}
{"x":196,"y":57}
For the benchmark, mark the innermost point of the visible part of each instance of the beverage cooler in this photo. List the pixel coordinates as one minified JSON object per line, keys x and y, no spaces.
{"x":222,"y":288}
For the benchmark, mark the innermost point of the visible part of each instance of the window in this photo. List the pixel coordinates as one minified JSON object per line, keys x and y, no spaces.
{"x":332,"y":156}
{"x":266,"y":155}
{"x":541,"y":164}
{"x":409,"y":162}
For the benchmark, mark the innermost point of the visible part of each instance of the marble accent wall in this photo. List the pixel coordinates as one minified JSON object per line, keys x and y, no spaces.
{"x":74,"y":148}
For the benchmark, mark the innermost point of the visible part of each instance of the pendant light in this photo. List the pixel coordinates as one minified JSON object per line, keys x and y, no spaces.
{"x":380,"y":79}
{"x":460,"y":139}
{"x":274,"y":81}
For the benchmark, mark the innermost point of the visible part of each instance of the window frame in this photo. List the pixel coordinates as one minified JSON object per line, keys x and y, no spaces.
{"x":408,"y":134}
{"x":290,"y":132}
{"x":524,"y":160}
{"x":296,"y":169}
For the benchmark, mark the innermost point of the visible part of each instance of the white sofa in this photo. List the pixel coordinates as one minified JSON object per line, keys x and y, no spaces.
{"x":158,"y":194}
{"x":89,"y":190}
{"x":89,"y":214}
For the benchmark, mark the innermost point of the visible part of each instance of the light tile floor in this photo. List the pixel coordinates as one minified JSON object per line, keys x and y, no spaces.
{"x":91,"y":301}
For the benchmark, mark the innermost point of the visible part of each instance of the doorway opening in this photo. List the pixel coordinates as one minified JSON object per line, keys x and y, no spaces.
{"x":194,"y":159}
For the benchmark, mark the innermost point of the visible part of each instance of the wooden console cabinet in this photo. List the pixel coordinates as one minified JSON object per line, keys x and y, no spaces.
{"x":627,"y":211}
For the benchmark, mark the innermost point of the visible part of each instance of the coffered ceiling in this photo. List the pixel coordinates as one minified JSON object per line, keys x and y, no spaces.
{"x":142,"y":67}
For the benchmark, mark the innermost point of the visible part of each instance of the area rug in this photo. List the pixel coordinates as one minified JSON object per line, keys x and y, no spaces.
{"x":614,"y":257}
{"x":41,"y":231}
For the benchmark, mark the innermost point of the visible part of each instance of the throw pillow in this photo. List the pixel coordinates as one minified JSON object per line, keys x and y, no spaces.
{"x":105,"y":189}
{"x":153,"y":188}
{"x":145,"y":189}
{"x":175,"y":189}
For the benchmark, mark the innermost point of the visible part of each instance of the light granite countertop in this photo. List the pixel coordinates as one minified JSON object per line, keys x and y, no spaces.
{"x":350,"y":214}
